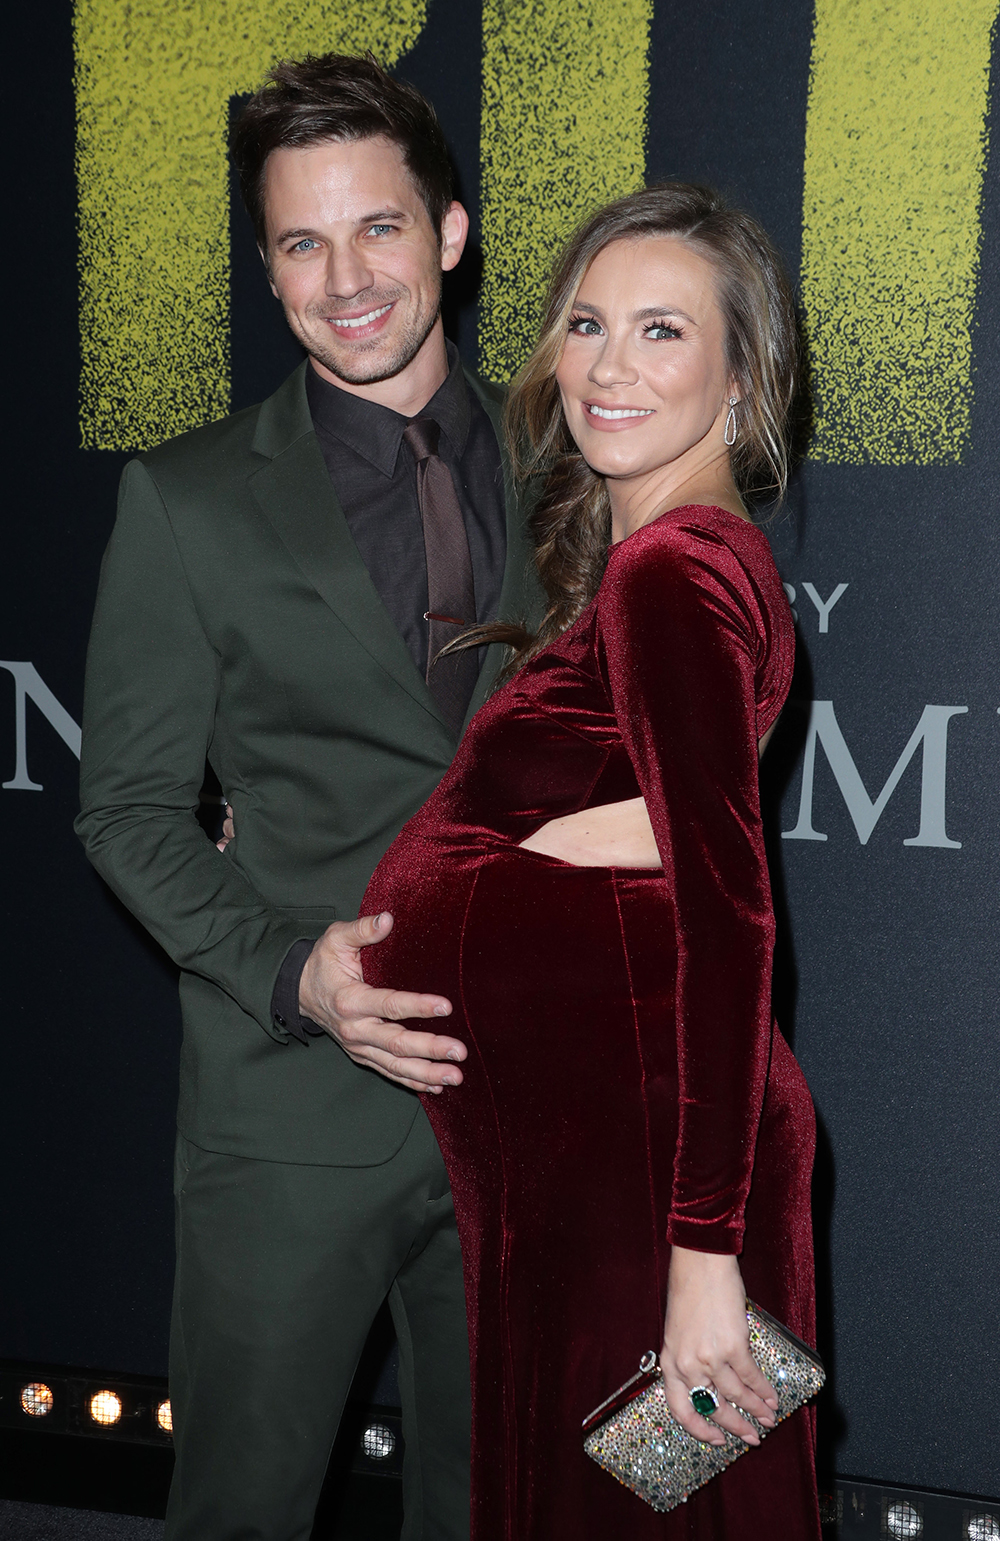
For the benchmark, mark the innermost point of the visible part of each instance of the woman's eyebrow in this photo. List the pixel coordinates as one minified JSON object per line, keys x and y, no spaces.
{"x":647,"y":312}
{"x":663,"y":310}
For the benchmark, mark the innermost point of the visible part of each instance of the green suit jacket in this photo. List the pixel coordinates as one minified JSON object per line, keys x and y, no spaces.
{"x":236,"y":622}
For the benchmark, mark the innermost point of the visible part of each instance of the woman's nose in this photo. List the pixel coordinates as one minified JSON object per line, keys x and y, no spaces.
{"x":613,"y":366}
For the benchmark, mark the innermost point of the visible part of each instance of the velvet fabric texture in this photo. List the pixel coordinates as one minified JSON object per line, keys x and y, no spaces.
{"x":626,"y":1088}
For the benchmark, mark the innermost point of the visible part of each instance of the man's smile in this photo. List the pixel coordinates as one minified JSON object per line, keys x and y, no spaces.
{"x":355,"y":323}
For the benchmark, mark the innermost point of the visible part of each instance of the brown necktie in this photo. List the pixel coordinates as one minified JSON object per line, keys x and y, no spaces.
{"x":451,"y":599}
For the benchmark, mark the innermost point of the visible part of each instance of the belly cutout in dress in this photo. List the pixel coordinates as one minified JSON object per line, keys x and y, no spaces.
{"x":610,"y":835}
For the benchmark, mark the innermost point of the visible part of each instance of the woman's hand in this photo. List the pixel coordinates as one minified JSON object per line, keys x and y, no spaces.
{"x":228,"y":829}
{"x":706,"y":1342}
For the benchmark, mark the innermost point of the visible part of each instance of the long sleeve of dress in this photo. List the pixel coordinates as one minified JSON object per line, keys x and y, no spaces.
{"x":685,"y":633}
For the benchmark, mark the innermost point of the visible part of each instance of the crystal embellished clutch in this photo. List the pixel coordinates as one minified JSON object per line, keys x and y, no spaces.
{"x":634,"y":1436}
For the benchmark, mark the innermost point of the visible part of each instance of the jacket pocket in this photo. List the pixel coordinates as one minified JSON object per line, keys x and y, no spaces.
{"x":314,"y":914}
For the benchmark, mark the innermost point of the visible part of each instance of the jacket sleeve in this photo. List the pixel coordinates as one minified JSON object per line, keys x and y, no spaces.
{"x":681,"y":633}
{"x":149,"y":709}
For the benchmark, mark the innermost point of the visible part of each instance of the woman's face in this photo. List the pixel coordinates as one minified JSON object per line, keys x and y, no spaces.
{"x":643,"y":375}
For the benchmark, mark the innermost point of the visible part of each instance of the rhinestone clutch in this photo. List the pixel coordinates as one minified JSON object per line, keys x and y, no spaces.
{"x":634,"y":1436}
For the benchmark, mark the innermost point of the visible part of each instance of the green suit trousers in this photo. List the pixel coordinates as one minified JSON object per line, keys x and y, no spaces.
{"x":281,"y":1269}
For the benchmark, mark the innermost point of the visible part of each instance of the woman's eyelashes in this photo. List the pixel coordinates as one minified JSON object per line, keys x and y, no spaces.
{"x":660,"y":330}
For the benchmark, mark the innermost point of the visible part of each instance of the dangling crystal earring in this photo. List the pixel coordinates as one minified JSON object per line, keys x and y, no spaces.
{"x":730,"y":429}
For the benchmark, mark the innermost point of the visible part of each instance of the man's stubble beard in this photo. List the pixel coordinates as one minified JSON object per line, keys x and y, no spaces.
{"x":355,"y":370}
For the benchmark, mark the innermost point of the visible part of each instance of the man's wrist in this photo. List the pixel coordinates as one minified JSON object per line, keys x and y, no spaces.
{"x":285,"y":1013}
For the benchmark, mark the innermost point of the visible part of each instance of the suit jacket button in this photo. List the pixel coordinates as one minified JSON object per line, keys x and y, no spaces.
{"x":279,"y":1021}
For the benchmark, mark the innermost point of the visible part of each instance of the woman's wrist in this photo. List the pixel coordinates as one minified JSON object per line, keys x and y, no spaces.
{"x":686,"y":1263}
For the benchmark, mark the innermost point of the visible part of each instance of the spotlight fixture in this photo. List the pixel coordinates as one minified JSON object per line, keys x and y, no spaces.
{"x":105,"y":1407}
{"x":164,"y":1417}
{"x":378,"y":1442}
{"x":982,"y":1527}
{"x":37,"y":1399}
{"x":903,"y":1520}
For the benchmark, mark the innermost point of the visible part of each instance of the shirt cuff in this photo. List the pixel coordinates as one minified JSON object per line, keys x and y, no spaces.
{"x":285,"y":999}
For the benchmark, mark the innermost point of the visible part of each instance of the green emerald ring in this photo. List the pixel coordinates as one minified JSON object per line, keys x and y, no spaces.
{"x":704,"y":1400}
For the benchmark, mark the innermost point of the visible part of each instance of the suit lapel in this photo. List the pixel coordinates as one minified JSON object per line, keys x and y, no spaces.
{"x":520,"y":596}
{"x":293,"y":488}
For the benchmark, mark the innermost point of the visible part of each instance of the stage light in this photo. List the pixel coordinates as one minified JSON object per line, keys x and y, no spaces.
{"x":164,"y":1417}
{"x":378,"y":1442}
{"x":105,"y":1408}
{"x":903,"y":1520}
{"x":982,"y":1527}
{"x":37,"y":1399}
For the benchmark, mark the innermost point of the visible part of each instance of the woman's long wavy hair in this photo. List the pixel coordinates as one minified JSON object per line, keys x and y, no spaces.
{"x":571,"y":521}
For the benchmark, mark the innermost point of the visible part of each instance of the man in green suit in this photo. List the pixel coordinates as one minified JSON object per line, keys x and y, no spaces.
{"x":263,"y":606}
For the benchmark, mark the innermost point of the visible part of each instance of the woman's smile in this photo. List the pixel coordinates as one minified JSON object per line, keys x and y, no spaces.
{"x":611,"y":417}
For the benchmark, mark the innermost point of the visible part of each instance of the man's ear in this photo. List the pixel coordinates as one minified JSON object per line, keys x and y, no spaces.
{"x":267,"y":270}
{"x":454,"y":234}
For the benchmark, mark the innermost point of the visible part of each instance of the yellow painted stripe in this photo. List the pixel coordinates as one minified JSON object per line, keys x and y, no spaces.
{"x":565,"y":86}
{"x":153,"y":81}
{"x":895,"y":153}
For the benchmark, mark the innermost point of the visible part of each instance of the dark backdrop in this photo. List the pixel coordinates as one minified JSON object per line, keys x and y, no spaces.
{"x":887,"y":965}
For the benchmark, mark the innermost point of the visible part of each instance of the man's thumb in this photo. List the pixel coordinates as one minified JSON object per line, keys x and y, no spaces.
{"x":372,"y":928}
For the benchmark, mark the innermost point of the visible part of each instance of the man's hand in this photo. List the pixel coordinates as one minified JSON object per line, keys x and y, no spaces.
{"x":364,"y":1021}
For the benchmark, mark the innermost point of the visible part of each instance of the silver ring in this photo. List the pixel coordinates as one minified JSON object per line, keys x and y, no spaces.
{"x":704,"y":1400}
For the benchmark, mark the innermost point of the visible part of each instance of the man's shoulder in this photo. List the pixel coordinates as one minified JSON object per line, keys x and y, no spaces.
{"x":216,"y":451}
{"x":204,"y":445}
{"x":489,"y":394}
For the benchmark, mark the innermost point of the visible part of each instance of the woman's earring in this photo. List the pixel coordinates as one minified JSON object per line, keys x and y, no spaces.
{"x":730,"y":430}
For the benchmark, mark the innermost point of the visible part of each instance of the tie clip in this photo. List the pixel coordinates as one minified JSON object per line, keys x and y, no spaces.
{"x":452,"y":620}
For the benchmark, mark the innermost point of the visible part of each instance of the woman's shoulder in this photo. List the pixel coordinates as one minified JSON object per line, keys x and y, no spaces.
{"x":695,"y":538}
{"x":694,"y":526}
{"x":699,"y":553}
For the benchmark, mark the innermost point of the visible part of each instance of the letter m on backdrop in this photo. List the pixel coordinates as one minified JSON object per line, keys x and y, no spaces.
{"x":931,"y":731}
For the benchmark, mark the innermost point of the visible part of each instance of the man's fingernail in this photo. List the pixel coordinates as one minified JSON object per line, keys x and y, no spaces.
{"x":440,"y":1011}
{"x":449,"y":1080}
{"x":452,"y":1054}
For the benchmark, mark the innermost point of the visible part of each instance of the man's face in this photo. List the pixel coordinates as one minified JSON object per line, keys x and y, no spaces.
{"x":354,"y":258}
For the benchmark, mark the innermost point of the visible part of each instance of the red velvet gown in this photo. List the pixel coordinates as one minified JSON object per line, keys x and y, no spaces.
{"x":626,"y":1087}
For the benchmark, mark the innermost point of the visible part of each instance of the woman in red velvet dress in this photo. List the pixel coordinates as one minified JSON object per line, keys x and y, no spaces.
{"x":630,"y":1150}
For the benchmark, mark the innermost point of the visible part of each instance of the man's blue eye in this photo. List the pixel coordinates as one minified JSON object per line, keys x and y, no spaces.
{"x":381,"y":228}
{"x":304,"y":245}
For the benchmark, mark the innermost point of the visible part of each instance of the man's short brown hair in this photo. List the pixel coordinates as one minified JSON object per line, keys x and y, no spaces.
{"x":338,"y":98}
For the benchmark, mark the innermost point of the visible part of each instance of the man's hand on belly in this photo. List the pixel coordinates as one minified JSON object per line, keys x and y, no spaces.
{"x":365,"y":1021}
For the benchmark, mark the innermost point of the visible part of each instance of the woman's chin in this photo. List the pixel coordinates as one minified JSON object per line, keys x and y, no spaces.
{"x":613,"y":463}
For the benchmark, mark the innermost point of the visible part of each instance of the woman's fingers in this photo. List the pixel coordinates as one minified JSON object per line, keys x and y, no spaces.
{"x":758,"y":1396}
{"x":680,"y":1405}
{"x":753,"y":1376}
{"x":729,"y":1419}
{"x":730,"y":1386}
